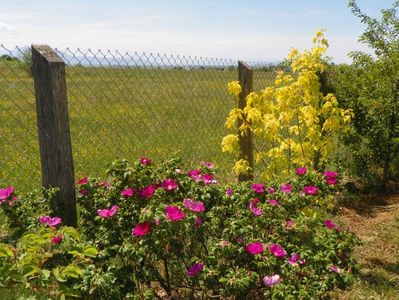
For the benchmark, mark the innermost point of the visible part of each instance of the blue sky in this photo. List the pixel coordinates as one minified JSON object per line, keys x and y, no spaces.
{"x":247,"y":30}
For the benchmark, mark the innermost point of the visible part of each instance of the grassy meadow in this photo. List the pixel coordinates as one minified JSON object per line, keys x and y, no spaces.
{"x":121,"y":112}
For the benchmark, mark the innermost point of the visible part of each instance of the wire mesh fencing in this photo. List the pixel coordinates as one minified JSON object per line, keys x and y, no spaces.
{"x":122,"y":105}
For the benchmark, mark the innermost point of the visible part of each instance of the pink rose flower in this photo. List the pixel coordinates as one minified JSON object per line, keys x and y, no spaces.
{"x":229,"y":192}
{"x":336,"y":269}
{"x":286,"y":188}
{"x":6,"y":192}
{"x":195,"y":206}
{"x":257,"y":211}
{"x":271,"y":190}
{"x":43,"y":219}
{"x":274,"y":202}
{"x":82,"y":181}
{"x":258,"y":188}
{"x":331,"y":177}
{"x":195,"y":269}
{"x":129,"y":192}
{"x":254,"y":248}
{"x":293,"y":259}
{"x":10,"y":202}
{"x":330,"y":174}
{"x":147,"y":192}
{"x":145,"y":161}
{"x":84,"y":192}
{"x":141,"y":229}
{"x":198,"y":222}
{"x":301,"y":171}
{"x":271,"y":280}
{"x":169,"y":185}
{"x":310,"y":190}
{"x":277,"y":250}
{"x":207,"y":178}
{"x":331,"y":225}
{"x":331,"y":181}
{"x":57,"y":239}
{"x":108,"y":213}
{"x":195,"y":175}
{"x":289,"y":224}
{"x":52,"y":222}
{"x":174,"y":213}
{"x":208,"y":165}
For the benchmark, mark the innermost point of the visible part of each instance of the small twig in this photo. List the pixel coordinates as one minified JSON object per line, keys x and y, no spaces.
{"x":258,"y":152}
{"x":159,"y":278}
{"x":165,"y":263}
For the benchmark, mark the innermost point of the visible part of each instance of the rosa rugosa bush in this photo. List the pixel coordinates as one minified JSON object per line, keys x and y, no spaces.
{"x":162,"y":230}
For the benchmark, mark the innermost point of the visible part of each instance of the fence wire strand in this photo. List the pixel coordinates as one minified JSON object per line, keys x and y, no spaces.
{"x":122,"y":105}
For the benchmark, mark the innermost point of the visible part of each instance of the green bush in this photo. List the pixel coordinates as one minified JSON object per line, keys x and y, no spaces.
{"x":370,"y":87}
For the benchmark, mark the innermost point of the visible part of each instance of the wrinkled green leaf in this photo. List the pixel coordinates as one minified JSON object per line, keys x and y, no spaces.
{"x":6,"y":250}
{"x":46,"y":273}
{"x":72,"y":271}
{"x":60,"y":277}
{"x":29,"y":269}
{"x":71,"y":232}
{"x":90,"y":251}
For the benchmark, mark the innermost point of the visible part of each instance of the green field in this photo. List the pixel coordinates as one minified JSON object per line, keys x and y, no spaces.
{"x":121,"y":112}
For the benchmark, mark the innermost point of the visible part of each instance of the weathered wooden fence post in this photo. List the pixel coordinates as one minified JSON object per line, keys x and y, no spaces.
{"x":54,"y":136}
{"x":245,"y":77}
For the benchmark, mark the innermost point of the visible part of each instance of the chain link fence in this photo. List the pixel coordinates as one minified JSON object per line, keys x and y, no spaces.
{"x":122,"y":106}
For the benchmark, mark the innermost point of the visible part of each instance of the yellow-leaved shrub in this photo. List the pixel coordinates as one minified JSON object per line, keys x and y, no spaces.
{"x":294,"y":122}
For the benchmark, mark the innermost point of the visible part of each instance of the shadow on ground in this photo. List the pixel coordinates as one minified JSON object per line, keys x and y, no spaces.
{"x":368,"y":205}
{"x":387,"y":266}
{"x":378,"y":280}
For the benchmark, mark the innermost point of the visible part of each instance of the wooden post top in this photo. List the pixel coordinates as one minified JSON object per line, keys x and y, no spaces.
{"x":48,"y":53}
{"x":244,"y":64}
